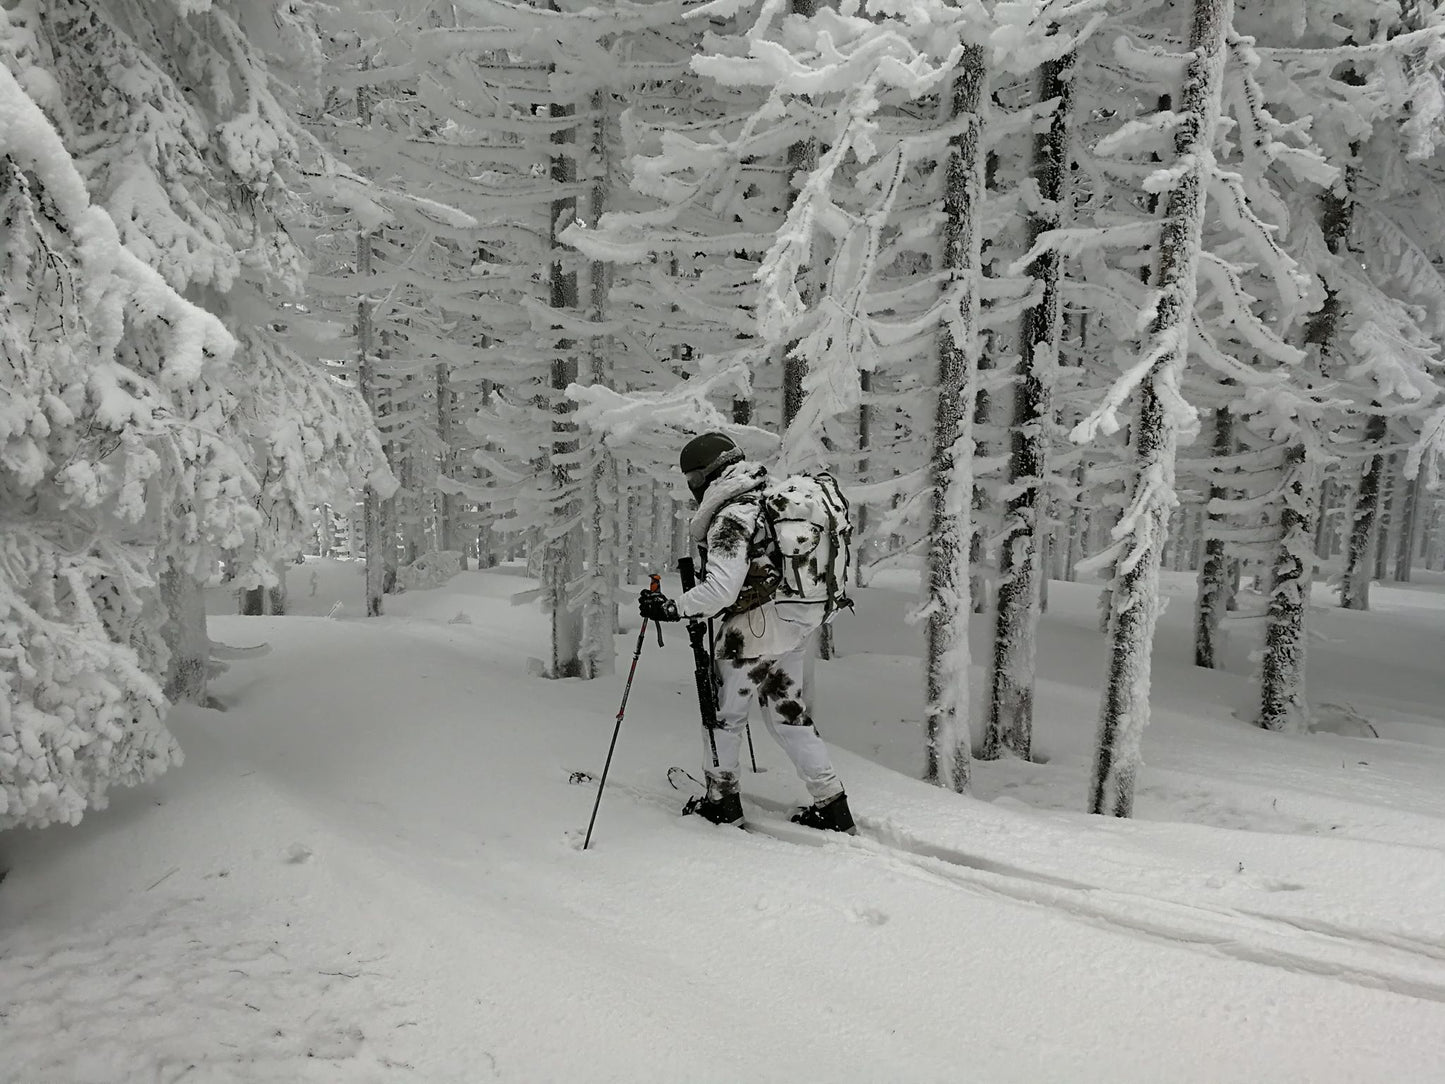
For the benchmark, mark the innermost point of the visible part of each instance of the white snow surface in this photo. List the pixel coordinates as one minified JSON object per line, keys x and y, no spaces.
{"x":369,"y":869}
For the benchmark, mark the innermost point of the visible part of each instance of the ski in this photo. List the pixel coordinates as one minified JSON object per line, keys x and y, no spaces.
{"x":761,"y":816}
{"x":683,"y":780}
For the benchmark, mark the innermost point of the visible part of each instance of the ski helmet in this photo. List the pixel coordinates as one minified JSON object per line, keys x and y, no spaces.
{"x":703,"y":459}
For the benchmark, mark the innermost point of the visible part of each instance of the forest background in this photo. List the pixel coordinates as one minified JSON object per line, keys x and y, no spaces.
{"x":1055,"y":289}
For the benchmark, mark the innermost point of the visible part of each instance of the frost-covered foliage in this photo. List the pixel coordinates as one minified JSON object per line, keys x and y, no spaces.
{"x":826,"y":220}
{"x":832,"y":221}
{"x":1188,"y":277}
{"x":958,"y":252}
{"x":403,"y":252}
{"x":529,"y":139}
{"x":197,"y":153}
{"x":160,"y":437}
{"x":1297,"y":338}
{"x":105,"y":452}
{"x":877,"y":113}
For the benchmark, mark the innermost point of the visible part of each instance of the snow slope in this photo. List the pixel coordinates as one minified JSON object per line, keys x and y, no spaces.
{"x":369,"y":869}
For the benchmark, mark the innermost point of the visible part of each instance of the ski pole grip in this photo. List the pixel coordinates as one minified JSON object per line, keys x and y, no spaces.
{"x":655,"y":584}
{"x":687,"y":573}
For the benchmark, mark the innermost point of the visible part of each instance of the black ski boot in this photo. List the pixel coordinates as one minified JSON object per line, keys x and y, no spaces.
{"x":726,"y":810}
{"x":830,"y":816}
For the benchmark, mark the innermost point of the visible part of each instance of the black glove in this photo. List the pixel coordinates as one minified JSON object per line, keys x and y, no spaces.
{"x":655,"y":606}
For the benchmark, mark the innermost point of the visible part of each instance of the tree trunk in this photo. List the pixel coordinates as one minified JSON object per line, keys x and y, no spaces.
{"x":374,"y":505}
{"x":1282,"y":671}
{"x":405,"y":505}
{"x":563,"y":557}
{"x":950,"y":473}
{"x":1385,"y":518}
{"x":860,"y":512}
{"x":188,"y":670}
{"x":1433,"y":543}
{"x":1011,"y":704}
{"x":1322,"y":517}
{"x":1355,"y":584}
{"x":356,"y":532}
{"x":1209,"y":600}
{"x":978,"y":583}
{"x":1134,"y":600}
{"x":266,"y":601}
{"x":277,"y":598}
{"x":681,"y":519}
{"x":1282,"y":696}
{"x":602,"y":490}
{"x":1409,"y":529}
{"x":802,"y":158}
{"x":1080,"y":522}
{"x":374,"y":532}
{"x":449,"y":505}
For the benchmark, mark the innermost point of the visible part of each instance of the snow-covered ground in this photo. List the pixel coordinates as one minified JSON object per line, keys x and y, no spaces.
{"x":369,"y":869}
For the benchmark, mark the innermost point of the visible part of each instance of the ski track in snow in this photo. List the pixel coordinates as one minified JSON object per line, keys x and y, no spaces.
{"x":1250,"y":936}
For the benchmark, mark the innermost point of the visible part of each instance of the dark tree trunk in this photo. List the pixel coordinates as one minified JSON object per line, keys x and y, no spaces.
{"x":860,"y":512}
{"x":1282,"y":671}
{"x":188,"y":669}
{"x":1282,"y":696}
{"x":1409,"y":529}
{"x":1210,"y":599}
{"x":1355,"y":585}
{"x":563,"y":561}
{"x":1011,"y":704}
{"x":950,"y":473}
{"x":1385,"y":518}
{"x":1134,"y":601}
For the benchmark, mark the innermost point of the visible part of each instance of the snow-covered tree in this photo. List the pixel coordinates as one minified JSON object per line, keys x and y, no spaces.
{"x":193,"y":144}
{"x":112,"y":441}
{"x":1021,"y":571}
{"x":1134,"y":597}
{"x":176,"y":124}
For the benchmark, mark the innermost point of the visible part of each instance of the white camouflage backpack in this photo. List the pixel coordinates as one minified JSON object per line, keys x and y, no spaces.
{"x":807,"y":517}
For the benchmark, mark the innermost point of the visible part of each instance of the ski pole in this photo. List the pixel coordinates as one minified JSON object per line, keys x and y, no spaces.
{"x":656,"y":585}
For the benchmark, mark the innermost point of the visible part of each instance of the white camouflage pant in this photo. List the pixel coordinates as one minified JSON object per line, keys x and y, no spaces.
{"x":779,"y":684}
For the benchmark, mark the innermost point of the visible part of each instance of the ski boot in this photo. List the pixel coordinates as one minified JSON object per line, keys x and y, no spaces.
{"x":726,"y":810}
{"x":830,"y":816}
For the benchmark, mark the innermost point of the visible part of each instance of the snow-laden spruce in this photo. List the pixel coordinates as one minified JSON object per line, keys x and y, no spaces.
{"x":95,"y":461}
{"x":175,"y":125}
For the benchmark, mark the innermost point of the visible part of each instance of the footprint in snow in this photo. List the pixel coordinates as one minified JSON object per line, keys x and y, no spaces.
{"x":870,"y":916}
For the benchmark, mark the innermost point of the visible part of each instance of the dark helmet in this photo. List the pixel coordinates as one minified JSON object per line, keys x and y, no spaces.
{"x":704,"y":457}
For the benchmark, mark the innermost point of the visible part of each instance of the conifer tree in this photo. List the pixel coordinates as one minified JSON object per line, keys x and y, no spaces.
{"x":1021,"y":571}
{"x":1134,"y":599}
{"x":112,"y":441}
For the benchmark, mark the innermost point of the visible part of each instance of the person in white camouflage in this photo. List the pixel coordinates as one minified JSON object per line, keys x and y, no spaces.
{"x":763,"y":646}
